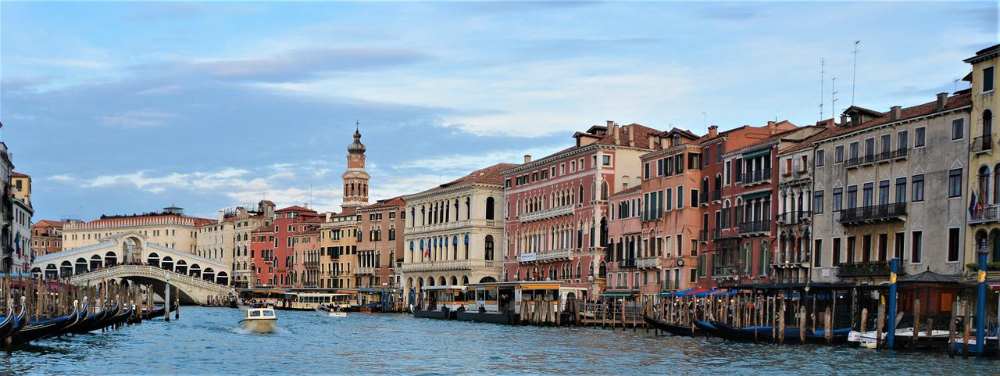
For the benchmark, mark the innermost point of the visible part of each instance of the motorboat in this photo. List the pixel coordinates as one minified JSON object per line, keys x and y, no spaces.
{"x":260,"y":320}
{"x":331,"y":310}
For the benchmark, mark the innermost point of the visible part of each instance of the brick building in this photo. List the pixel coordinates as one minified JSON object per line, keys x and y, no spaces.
{"x":46,"y":237}
{"x":272,"y":247}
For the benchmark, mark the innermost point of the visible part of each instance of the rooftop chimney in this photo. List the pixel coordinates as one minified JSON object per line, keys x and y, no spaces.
{"x":631,"y":135}
{"x":942,"y":99}
{"x":615,"y":133}
{"x":895,"y":113}
{"x":610,"y":123}
{"x":527,"y":158}
{"x":713,"y":130}
{"x":652,"y":142}
{"x":771,"y":127}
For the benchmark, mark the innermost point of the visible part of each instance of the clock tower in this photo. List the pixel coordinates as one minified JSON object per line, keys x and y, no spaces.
{"x":355,"y":178}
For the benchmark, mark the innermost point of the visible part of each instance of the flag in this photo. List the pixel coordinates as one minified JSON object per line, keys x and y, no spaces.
{"x":973,"y":204}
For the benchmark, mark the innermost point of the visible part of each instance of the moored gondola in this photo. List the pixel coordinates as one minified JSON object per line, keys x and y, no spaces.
{"x":677,"y":330}
{"x":44,"y":328}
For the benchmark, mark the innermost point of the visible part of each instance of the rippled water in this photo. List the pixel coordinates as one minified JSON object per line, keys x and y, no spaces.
{"x":209,"y":341}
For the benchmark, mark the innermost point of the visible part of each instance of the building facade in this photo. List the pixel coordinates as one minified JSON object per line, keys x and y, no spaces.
{"x":339,"y":258}
{"x":380,"y":245}
{"x":46,"y":237}
{"x":272,"y":247}
{"x":227,"y":240}
{"x":453,"y":232}
{"x":557,"y":213}
{"x":894,"y":186}
{"x":169,"y":228}
{"x":984,"y":159}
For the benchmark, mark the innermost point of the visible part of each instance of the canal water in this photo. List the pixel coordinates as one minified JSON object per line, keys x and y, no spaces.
{"x":209,"y":341}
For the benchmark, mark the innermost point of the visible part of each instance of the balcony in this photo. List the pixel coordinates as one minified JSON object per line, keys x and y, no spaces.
{"x":884,"y":156}
{"x":366,"y":270}
{"x":795,"y":217}
{"x":987,"y":214}
{"x":626,"y":263}
{"x":982,"y":144}
{"x":863,"y":269}
{"x":544,"y":256}
{"x":757,"y":176}
{"x":434,"y":266}
{"x":547,"y":213}
{"x":648,"y":263}
{"x":703,"y":198}
{"x":755,"y":228}
{"x":873,"y":214}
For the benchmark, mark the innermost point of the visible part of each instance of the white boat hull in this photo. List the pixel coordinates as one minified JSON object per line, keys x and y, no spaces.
{"x":336,"y":314}
{"x":260,"y":325}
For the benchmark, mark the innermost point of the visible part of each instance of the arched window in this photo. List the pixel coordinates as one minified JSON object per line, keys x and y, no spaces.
{"x":489,"y":248}
{"x":489,"y":208}
{"x":580,"y":196}
{"x":996,"y":184}
{"x":604,"y":190}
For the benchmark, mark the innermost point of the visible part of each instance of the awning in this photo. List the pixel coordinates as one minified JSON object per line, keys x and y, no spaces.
{"x":539,"y":286}
{"x":755,"y":195}
{"x":617,"y":294}
{"x":757,"y":153}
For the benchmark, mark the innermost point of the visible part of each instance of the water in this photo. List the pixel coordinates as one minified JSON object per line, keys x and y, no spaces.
{"x":209,"y":341}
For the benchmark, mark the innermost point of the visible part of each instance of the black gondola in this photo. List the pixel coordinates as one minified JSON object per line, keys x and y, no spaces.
{"x":44,"y":328}
{"x":677,"y":330}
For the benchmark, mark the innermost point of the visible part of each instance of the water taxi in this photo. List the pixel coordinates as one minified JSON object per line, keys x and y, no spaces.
{"x":309,"y":301}
{"x":260,"y":320}
{"x":440,"y":302}
{"x":332,"y":310}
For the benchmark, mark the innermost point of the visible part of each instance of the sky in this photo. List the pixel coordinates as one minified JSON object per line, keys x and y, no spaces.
{"x":117,"y":108}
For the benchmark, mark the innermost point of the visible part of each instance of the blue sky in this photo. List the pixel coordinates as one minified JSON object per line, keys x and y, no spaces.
{"x":130,"y":107}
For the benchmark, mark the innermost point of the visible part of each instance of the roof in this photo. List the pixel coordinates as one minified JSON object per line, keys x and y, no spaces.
{"x":985,"y":54}
{"x":389,"y":202}
{"x":49,"y":223}
{"x":627,"y":191}
{"x":16,"y":174}
{"x":490,"y":175}
{"x":294,"y":208}
{"x":959,"y":100}
{"x":601,"y":135}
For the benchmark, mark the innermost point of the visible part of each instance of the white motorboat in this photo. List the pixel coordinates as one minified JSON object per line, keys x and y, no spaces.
{"x":331,"y":311}
{"x":260,"y":320}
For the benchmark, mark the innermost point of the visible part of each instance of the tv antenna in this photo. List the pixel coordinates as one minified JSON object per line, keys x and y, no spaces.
{"x":833,"y":97}
{"x":854,"y":71}
{"x":822,"y":74}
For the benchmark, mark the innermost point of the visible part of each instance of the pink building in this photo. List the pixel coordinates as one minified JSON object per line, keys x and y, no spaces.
{"x":557,"y":212}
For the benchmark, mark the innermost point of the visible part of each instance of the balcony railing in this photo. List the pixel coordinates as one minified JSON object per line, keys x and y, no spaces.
{"x":863,"y":269}
{"x":885,"y":156}
{"x":626,"y":263}
{"x":547,"y":213}
{"x":445,"y":265}
{"x":757,"y":176}
{"x":873,"y":214}
{"x":544,"y":256}
{"x":648,"y":263}
{"x":982,"y":144}
{"x":367,"y":270}
{"x":987,"y":214}
{"x":748,"y":228}
{"x":703,"y":198}
{"x":795,"y":217}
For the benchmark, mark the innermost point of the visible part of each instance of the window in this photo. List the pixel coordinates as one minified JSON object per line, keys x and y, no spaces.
{"x":900,"y":190}
{"x":838,"y":154}
{"x":867,"y":193}
{"x":921,"y":134}
{"x":988,"y":79}
{"x":818,"y":253}
{"x":957,"y":129}
{"x":680,"y":197}
{"x":915,"y":246}
{"x":953,"y":244}
{"x":820,"y":158}
{"x":955,"y":183}
{"x":606,"y":160}
{"x":645,"y":171}
{"x":883,"y":192}
{"x":918,"y":188}
{"x":852,"y":197}
{"x":902,"y":140}
{"x":817,"y":203}
{"x":836,"y":251}
{"x":728,"y":171}
{"x":670,"y":198}
{"x":854,"y":150}
{"x":838,"y":198}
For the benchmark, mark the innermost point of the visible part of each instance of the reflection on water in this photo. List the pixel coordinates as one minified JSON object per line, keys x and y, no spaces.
{"x":210,"y":340}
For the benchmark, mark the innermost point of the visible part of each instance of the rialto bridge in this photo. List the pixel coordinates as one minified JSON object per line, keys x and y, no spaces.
{"x":129,"y":256}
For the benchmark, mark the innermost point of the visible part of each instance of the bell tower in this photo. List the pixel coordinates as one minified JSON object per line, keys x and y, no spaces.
{"x":355,"y":178}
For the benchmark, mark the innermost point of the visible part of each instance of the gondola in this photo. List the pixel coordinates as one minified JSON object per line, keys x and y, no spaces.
{"x":17,"y":322}
{"x":7,"y":323}
{"x":153,"y":312}
{"x":677,"y":330}
{"x":93,"y":322}
{"x":44,"y":328}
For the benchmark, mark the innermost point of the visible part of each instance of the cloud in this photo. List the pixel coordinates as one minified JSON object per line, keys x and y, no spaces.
{"x":304,"y":63}
{"x":137,"y":119}
{"x":465,"y":163}
{"x":62,"y":178}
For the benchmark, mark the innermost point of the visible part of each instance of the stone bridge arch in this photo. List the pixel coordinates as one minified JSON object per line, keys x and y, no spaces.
{"x":190,"y":290}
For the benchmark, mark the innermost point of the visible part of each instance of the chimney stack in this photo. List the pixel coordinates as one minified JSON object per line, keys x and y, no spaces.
{"x":713,"y":130}
{"x":527,"y":158}
{"x":652,"y":142}
{"x":942,"y":99}
{"x":615,"y":133}
{"x":895,"y":113}
{"x":631,"y":135}
{"x":771,"y":127}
